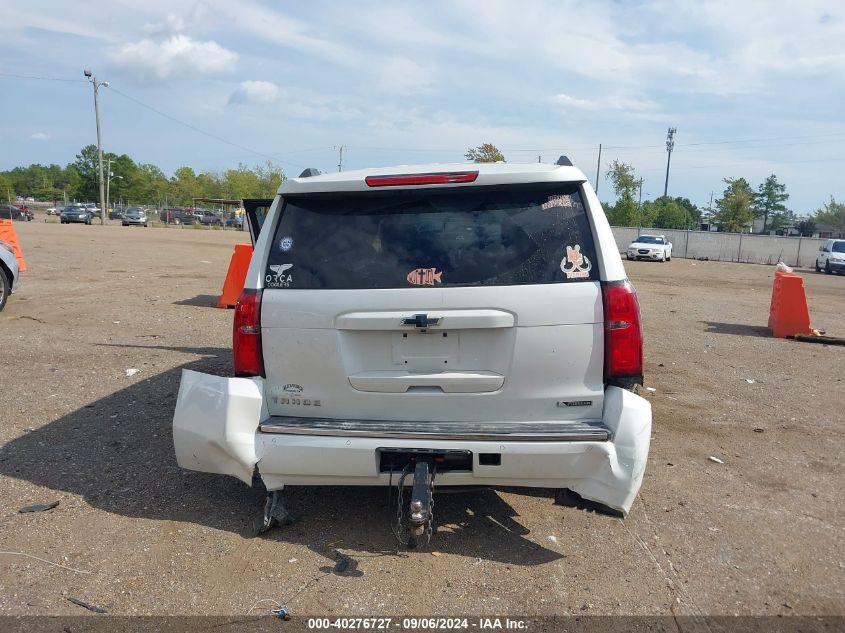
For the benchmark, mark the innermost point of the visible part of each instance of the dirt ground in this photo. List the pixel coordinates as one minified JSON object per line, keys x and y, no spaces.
{"x":761,"y":533}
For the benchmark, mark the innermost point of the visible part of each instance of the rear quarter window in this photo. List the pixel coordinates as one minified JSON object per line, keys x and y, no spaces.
{"x":433,"y":237}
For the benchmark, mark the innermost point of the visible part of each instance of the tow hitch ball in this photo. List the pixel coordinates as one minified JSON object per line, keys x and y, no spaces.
{"x":420,"y":505}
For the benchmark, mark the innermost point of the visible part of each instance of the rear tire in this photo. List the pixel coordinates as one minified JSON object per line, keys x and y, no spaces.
{"x":5,"y":288}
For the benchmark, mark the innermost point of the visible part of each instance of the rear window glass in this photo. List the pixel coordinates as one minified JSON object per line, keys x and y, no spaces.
{"x":447,"y":236}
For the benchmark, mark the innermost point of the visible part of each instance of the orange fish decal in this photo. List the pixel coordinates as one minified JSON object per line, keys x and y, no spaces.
{"x":424,"y":276}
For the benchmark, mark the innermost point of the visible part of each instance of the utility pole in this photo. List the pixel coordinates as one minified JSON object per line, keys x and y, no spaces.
{"x":97,"y":85}
{"x":598,"y":169}
{"x":670,"y":145}
{"x":340,"y":158}
{"x":640,"y":203}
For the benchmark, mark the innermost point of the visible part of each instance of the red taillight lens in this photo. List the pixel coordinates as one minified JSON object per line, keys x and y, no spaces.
{"x":422,"y":179}
{"x":246,"y":335}
{"x":623,"y":336}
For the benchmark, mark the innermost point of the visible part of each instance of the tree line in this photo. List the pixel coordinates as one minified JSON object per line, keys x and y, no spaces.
{"x":734,"y":212}
{"x":137,"y":183}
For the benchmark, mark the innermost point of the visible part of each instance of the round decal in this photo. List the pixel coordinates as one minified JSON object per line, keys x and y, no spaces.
{"x":286,"y":244}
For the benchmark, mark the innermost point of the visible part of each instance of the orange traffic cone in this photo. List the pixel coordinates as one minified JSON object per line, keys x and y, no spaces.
{"x":8,"y":235}
{"x":236,"y":276}
{"x":788,"y":312}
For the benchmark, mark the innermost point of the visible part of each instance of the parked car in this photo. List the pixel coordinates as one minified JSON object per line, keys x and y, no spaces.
{"x":177,"y":216}
{"x":9,"y":272}
{"x":234,"y":221}
{"x":654,"y":247}
{"x":10,"y":212}
{"x":135,"y":216}
{"x":208,"y":218}
{"x":831,"y":257}
{"x":116,"y":214}
{"x":75,"y":214}
{"x":53,"y":211}
{"x":473,"y":321}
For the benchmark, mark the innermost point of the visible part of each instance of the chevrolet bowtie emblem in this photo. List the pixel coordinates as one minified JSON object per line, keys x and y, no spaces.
{"x":420,"y":321}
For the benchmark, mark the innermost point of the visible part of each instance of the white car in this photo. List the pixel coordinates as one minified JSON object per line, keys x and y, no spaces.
{"x":472,"y":322}
{"x":9,"y":272}
{"x":831,"y":257}
{"x":654,"y":247}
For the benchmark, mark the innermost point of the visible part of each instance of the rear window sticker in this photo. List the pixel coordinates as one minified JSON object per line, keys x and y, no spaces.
{"x":285,"y":244}
{"x":564,"y":201}
{"x":279,"y":279}
{"x":576,"y":265}
{"x":424,"y":276}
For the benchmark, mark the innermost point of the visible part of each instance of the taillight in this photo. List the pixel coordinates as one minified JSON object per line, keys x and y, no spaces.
{"x":246,"y":335}
{"x":422,"y":179}
{"x":623,"y":336}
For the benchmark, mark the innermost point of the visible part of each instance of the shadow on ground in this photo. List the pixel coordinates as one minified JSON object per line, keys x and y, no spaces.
{"x":200,"y":301}
{"x":737,"y":329}
{"x":117,"y":454}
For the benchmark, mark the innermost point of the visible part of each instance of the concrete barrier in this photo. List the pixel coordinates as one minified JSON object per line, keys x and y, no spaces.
{"x":729,"y":247}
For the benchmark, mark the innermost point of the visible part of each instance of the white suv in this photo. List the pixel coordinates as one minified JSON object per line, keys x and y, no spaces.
{"x":471,"y":322}
{"x":831,"y":257}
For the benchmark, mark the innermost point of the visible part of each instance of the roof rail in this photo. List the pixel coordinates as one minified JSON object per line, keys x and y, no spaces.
{"x":311,"y":171}
{"x":563,"y":161}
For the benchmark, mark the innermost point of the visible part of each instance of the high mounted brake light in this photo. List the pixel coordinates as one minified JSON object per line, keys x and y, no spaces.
{"x":247,"y":354}
{"x":422,"y":179}
{"x":623,"y":336}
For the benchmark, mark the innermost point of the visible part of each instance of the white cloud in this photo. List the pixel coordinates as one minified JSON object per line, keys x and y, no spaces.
{"x":171,"y":23}
{"x":607,"y":102}
{"x":41,"y":136}
{"x":402,"y":75}
{"x":255,"y":92}
{"x":177,"y":55}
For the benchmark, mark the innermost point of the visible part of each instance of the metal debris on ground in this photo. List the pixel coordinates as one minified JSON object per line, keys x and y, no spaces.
{"x":750,"y":381}
{"x":652,"y":389}
{"x":715,"y":460}
{"x":131,"y":372}
{"x":87,"y":605}
{"x":41,"y":507}
{"x":44,"y":560}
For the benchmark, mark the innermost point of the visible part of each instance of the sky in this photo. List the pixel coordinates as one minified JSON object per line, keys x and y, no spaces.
{"x":753,"y":88}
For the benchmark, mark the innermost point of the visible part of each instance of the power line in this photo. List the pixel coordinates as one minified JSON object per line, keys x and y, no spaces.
{"x":41,"y":78}
{"x":703,"y":144}
{"x":200,"y":131}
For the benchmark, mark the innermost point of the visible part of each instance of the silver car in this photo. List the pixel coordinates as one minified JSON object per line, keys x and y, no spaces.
{"x":8,"y":272}
{"x":134,"y":216}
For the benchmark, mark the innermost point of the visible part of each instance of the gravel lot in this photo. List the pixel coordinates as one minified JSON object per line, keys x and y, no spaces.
{"x":761,"y":533}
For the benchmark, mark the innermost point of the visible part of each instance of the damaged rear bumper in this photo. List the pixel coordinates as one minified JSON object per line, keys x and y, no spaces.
{"x":216,"y":429}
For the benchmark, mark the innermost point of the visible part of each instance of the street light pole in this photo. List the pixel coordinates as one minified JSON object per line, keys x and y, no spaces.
{"x":97,"y":85}
{"x":110,"y":176}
